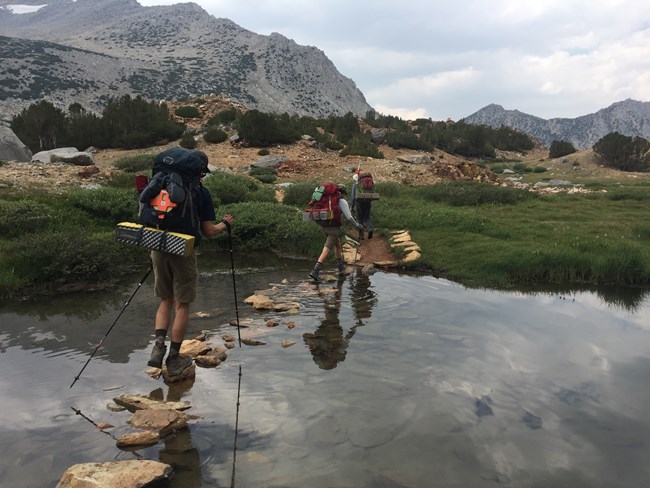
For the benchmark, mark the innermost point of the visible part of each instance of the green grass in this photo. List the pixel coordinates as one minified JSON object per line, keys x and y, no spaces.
{"x":476,"y":234}
{"x":585,"y":238}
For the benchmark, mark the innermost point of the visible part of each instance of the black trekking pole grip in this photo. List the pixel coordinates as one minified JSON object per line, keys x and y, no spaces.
{"x":234,"y":283}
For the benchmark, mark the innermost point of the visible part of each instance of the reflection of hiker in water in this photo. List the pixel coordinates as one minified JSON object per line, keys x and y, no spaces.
{"x":362,"y":296}
{"x":328,"y":344}
{"x":179,"y":452}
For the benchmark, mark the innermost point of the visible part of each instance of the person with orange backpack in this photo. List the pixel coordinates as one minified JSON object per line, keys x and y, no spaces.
{"x":327,"y":207}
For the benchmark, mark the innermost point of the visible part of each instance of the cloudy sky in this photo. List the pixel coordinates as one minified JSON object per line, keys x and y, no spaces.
{"x":448,"y":59}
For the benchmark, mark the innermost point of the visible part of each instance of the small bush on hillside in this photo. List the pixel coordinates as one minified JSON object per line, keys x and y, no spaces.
{"x":263,"y":130}
{"x":361,"y":145}
{"x":226,"y":189}
{"x":265,"y":175}
{"x":267,"y":225}
{"x":224,"y":117}
{"x":263,"y":152}
{"x":299,"y":194}
{"x":111,"y":204}
{"x":539,"y":169}
{"x":521,"y":168}
{"x":136,"y":163}
{"x":214,"y":135}
{"x":187,"y":141}
{"x":187,"y":112}
{"x":560,"y":148}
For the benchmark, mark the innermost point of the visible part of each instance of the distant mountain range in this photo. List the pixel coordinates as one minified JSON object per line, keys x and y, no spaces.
{"x":629,"y":117}
{"x":88,"y":50}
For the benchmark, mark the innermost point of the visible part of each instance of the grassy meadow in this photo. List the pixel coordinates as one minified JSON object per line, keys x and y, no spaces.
{"x":476,"y":234}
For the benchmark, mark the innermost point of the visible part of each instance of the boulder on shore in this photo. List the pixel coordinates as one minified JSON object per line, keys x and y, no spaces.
{"x":12,"y":148}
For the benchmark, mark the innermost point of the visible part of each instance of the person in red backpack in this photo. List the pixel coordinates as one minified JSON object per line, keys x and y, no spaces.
{"x":362,"y":183}
{"x":332,"y":234}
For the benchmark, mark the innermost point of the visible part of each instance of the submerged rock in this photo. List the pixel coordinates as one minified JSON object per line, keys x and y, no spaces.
{"x":483,"y":407}
{"x":532,"y":421}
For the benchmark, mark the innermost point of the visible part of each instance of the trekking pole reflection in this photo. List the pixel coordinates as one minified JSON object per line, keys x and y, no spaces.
{"x":115,"y":322}
{"x":234,"y":450}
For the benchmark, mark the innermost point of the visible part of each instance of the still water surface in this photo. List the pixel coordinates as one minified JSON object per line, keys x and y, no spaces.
{"x":394,"y":381}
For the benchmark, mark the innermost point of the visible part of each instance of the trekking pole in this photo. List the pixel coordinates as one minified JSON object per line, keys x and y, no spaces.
{"x":115,"y":322}
{"x":234,"y":284}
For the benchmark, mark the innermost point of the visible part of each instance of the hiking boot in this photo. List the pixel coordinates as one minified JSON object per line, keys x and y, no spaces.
{"x":360,"y":236}
{"x":314,"y":274}
{"x":369,"y":234}
{"x":177,"y":364}
{"x":157,"y":355}
{"x":341,"y":269}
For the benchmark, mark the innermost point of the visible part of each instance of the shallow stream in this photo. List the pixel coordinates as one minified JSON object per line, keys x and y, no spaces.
{"x":394,"y":381}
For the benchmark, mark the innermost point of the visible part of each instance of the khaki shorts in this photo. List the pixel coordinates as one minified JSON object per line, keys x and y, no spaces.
{"x":176,"y":276}
{"x":332,"y":234}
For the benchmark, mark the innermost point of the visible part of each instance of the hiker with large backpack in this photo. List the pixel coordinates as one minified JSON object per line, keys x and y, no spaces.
{"x":327,"y":207}
{"x":363,"y":188}
{"x":175,"y":200}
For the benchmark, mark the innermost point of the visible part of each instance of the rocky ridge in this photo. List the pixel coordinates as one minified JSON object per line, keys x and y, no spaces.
{"x":88,"y":50}
{"x":629,"y":117}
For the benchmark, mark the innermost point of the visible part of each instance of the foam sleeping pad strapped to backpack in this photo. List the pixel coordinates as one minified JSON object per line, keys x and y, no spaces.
{"x":171,"y":200}
{"x":324,"y":206}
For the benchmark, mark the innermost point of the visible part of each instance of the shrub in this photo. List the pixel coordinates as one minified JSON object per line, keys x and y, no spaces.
{"x":64,"y":256}
{"x":265,"y":175}
{"x":623,"y":152}
{"x":214,"y":135}
{"x":299,"y":194}
{"x":187,"y":112}
{"x":23,"y":217}
{"x":260,"y":129}
{"x":187,"y":141}
{"x":266,"y":225}
{"x":224,"y":117}
{"x":228,"y":189}
{"x":110,"y":204}
{"x":361,"y":145}
{"x":539,"y":169}
{"x":135,"y":163}
{"x":560,"y":148}
{"x":263,"y":152}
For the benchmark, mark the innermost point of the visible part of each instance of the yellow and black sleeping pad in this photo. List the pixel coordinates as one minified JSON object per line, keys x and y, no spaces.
{"x":154,"y":239}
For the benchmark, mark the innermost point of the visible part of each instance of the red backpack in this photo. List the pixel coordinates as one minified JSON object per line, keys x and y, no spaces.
{"x":324,"y":206}
{"x":366,"y":182}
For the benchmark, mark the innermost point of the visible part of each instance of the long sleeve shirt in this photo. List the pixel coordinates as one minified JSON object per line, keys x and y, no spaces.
{"x":345,"y":210}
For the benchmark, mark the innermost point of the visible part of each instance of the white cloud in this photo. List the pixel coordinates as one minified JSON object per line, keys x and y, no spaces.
{"x":551,"y":58}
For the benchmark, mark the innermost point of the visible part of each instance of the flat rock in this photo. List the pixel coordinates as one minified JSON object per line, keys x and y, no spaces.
{"x":118,"y":474}
{"x":161,"y":421}
{"x":137,"y":402}
{"x":193,"y":347}
{"x":136,"y":439}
